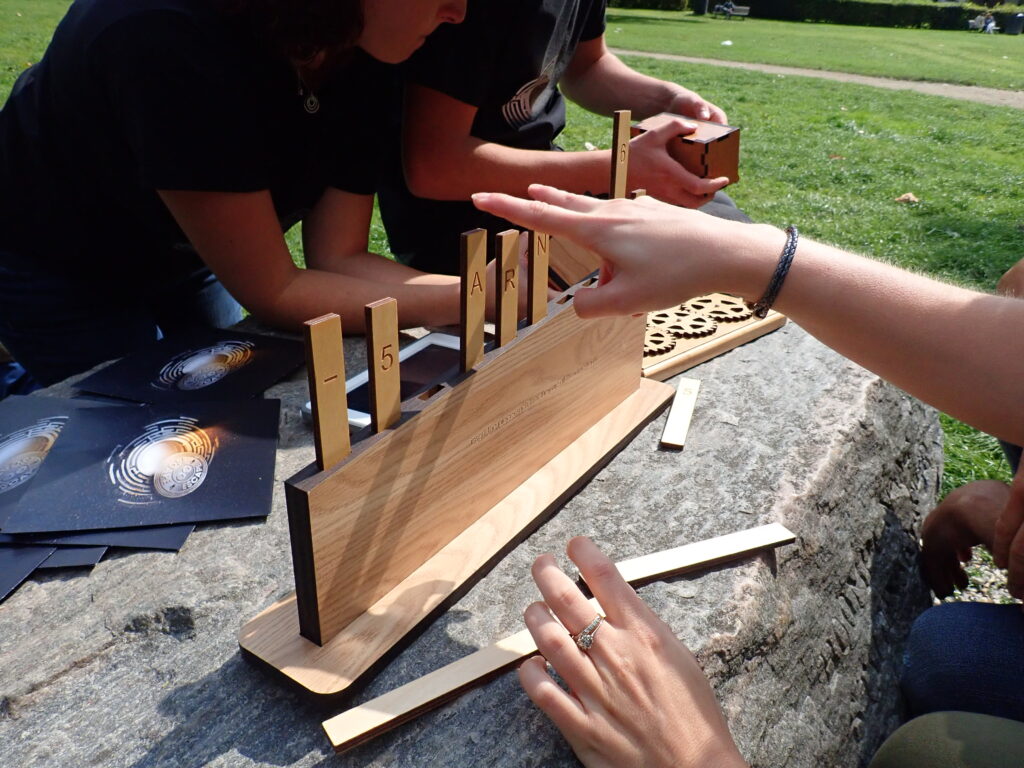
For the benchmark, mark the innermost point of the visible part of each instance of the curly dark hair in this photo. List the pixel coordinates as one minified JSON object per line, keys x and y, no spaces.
{"x":300,"y":29}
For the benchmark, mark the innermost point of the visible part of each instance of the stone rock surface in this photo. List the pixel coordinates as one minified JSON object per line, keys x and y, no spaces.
{"x":137,"y":664}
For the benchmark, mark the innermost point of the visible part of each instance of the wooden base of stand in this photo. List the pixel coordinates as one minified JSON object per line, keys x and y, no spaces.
{"x":363,"y":646}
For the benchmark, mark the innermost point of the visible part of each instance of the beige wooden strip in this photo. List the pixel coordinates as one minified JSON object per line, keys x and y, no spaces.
{"x":362,"y":723}
{"x":620,"y":153}
{"x":325,"y":366}
{"x":537,"y":296}
{"x":474,"y":296}
{"x":704,"y":554}
{"x":382,"y":363}
{"x":506,"y":292}
{"x":680,"y":412}
{"x":637,"y":193}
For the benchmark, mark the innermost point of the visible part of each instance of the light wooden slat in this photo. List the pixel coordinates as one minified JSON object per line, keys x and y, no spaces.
{"x":620,"y":153}
{"x":382,"y":363}
{"x":362,"y":723}
{"x":506,"y":292}
{"x":473,"y":293}
{"x":537,"y":296}
{"x":325,"y":367}
{"x":680,"y":412}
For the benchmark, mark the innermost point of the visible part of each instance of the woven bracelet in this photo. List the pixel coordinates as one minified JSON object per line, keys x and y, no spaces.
{"x":781,"y":270}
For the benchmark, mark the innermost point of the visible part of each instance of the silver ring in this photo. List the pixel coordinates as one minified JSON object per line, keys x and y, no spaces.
{"x":585,"y":639}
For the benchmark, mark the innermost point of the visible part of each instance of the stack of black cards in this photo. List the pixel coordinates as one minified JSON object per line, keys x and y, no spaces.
{"x":186,"y":441}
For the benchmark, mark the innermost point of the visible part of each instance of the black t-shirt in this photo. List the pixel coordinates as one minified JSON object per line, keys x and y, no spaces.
{"x":506,"y":59}
{"x":132,"y":97}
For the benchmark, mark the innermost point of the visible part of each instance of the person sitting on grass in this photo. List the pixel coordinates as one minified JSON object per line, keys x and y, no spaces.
{"x":151,"y":161}
{"x":637,"y":695}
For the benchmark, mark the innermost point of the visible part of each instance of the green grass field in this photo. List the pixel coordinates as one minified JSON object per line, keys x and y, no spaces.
{"x":947,"y":56}
{"x":829,"y":157}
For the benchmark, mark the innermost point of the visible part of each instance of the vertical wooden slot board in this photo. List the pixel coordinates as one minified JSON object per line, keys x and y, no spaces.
{"x":620,"y":153}
{"x":325,"y":362}
{"x":506,"y":292}
{"x":384,"y":538}
{"x":537,"y":298}
{"x":382,"y":363}
{"x":473,"y":262}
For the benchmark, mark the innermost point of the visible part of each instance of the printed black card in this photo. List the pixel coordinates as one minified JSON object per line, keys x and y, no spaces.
{"x":154,"y":465}
{"x":203,"y":365}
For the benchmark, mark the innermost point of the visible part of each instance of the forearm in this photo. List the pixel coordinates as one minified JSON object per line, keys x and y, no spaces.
{"x":422,"y":299}
{"x":946,"y":345}
{"x":474,"y":165}
{"x":608,"y":84}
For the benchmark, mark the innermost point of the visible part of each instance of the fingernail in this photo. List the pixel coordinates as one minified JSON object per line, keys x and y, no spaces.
{"x":481,"y":197}
{"x":705,"y":113}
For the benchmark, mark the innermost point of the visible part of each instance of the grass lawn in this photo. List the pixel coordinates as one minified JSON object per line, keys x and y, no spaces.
{"x":948,"y":56}
{"x":829,"y":157}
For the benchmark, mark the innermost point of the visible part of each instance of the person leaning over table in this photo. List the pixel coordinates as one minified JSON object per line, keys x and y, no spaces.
{"x":151,"y":160}
{"x":636,"y":696}
{"x":484,"y":107}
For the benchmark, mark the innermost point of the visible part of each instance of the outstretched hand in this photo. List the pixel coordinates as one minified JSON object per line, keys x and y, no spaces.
{"x":654,"y":255}
{"x":637,"y":697}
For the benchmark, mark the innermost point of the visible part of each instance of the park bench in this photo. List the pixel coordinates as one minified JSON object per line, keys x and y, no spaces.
{"x":737,"y":11}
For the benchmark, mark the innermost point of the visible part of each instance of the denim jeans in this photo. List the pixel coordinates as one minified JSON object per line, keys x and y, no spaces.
{"x":966,"y":657}
{"x":56,"y":326}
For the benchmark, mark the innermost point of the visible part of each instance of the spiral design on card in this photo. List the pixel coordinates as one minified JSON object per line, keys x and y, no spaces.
{"x":22,"y":452}
{"x":170,"y":459}
{"x":196,"y":369}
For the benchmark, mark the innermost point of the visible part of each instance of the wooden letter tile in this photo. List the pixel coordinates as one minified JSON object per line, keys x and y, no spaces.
{"x":382,"y":363}
{"x":474,"y":296}
{"x":325,"y":361}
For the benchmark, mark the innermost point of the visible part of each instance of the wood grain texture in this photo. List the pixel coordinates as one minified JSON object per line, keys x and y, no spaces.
{"x":680,"y":412}
{"x":570,"y":262}
{"x":620,"y":153}
{"x":506,"y":292}
{"x":325,"y":367}
{"x":711,"y":151}
{"x":360,"y":724}
{"x":395,"y":502}
{"x":328,"y":670}
{"x":382,"y":363}
{"x":537,"y":296}
{"x":473,"y":294}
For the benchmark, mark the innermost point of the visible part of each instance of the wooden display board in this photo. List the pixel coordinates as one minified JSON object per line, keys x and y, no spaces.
{"x":388,"y":536}
{"x":697,"y":330}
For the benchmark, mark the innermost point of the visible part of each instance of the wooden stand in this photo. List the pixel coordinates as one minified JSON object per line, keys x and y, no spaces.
{"x":397,"y":529}
{"x":374,"y":636}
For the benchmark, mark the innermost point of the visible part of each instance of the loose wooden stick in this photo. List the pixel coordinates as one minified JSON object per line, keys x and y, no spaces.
{"x":620,"y":152}
{"x":680,"y":412}
{"x":325,"y":366}
{"x":474,"y":296}
{"x":380,"y":715}
{"x":537,"y":298}
{"x":506,"y":292}
{"x":382,"y":363}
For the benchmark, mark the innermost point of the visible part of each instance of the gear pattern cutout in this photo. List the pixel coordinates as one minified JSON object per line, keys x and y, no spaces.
{"x":695,"y":319}
{"x":724,"y":309}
